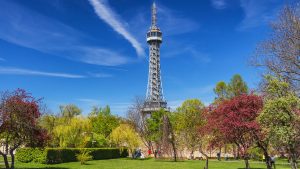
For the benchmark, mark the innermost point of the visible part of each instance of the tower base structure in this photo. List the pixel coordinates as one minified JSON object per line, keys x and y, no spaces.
{"x":153,"y":106}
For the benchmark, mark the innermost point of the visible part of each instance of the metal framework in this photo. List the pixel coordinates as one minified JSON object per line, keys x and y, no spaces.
{"x":154,"y":96}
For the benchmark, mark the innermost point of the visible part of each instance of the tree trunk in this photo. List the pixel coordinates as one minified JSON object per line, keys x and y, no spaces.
{"x":246,"y":159}
{"x":268,"y":160}
{"x":206,"y":163}
{"x":293,"y":162}
{"x":247,"y":165}
{"x":174,"y":151}
{"x":234,"y":151}
{"x":5,"y":161}
{"x":238,"y":152}
{"x":12,"y":166}
{"x":206,"y":158}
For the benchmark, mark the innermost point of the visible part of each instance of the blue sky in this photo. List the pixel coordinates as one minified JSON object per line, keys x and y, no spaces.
{"x":94,"y":52}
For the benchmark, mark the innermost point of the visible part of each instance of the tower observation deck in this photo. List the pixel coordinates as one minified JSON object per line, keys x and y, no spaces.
{"x":154,"y":97}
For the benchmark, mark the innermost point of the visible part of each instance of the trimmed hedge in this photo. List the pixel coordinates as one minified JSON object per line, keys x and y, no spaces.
{"x":62,"y":155}
{"x":31,"y":155}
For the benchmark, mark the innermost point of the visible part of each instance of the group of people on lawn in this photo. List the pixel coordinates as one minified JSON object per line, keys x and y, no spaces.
{"x":139,"y":154}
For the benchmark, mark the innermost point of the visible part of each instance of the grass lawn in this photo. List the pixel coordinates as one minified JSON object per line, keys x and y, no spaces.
{"x":147,"y":164}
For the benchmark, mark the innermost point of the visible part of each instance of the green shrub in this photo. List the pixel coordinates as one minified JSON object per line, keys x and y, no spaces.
{"x":26,"y":155}
{"x":84,"y":156}
{"x":62,"y":155}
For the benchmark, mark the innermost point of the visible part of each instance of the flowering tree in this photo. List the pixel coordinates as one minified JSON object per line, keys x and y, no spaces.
{"x":235,"y":121}
{"x":280,"y":118}
{"x":19,"y":113}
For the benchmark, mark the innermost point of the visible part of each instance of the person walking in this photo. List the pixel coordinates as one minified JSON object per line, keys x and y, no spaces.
{"x":273,"y":161}
{"x":155,"y":153}
{"x":219,"y":156}
{"x":226,"y":156}
{"x":149,"y":152}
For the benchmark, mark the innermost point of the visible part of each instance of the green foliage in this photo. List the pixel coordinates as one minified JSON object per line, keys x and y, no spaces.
{"x":84,"y":156}
{"x":74,"y":133}
{"x":186,"y":121}
{"x":154,"y":124}
{"x":103,"y":123}
{"x":71,"y":130}
{"x":221,"y":90}
{"x":124,"y":135}
{"x":49,"y":122}
{"x":98,"y":110}
{"x":62,"y":155}
{"x":280,"y":112}
{"x":69,"y":111}
{"x":276,"y":88}
{"x":256,"y":153}
{"x":26,"y":155}
{"x":280,"y":117}
{"x":237,"y":86}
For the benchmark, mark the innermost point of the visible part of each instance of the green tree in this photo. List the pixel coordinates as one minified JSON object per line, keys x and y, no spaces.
{"x":124,"y":135}
{"x":103,"y":123}
{"x":99,"y":110}
{"x":237,"y":86}
{"x":161,"y":132}
{"x":221,"y":90}
{"x":69,"y":111}
{"x":154,"y":124}
{"x":49,"y":122}
{"x":186,"y":121}
{"x":74,"y":133}
{"x":280,"y":118}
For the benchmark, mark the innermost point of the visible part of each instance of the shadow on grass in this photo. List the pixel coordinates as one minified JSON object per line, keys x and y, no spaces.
{"x":169,"y":160}
{"x":252,"y":168}
{"x":138,"y":159}
{"x":42,"y":168}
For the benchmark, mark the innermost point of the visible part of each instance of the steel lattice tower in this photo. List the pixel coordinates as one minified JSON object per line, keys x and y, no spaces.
{"x":154,"y":97}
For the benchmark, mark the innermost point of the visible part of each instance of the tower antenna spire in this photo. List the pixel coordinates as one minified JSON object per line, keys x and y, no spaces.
{"x":153,"y":21}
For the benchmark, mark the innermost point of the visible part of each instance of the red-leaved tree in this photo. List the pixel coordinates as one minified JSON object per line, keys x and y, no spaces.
{"x":235,"y":121}
{"x":19,"y":113}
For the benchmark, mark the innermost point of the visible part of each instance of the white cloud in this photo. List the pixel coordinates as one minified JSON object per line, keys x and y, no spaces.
{"x":30,"y":72}
{"x":89,"y":102}
{"x":19,"y":71}
{"x":187,"y":51}
{"x":218,"y":4}
{"x":99,"y":75}
{"x":173,"y":22}
{"x":258,"y":13}
{"x":33,"y":30}
{"x":170,"y":22}
{"x":105,"y":13}
{"x":99,"y":56}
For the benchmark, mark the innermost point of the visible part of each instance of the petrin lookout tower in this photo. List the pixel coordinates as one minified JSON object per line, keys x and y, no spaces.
{"x":154,"y":97}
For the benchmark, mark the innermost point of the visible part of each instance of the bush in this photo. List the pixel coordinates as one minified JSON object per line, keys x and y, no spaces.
{"x":62,"y":155}
{"x":26,"y":155}
{"x":84,"y":156}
